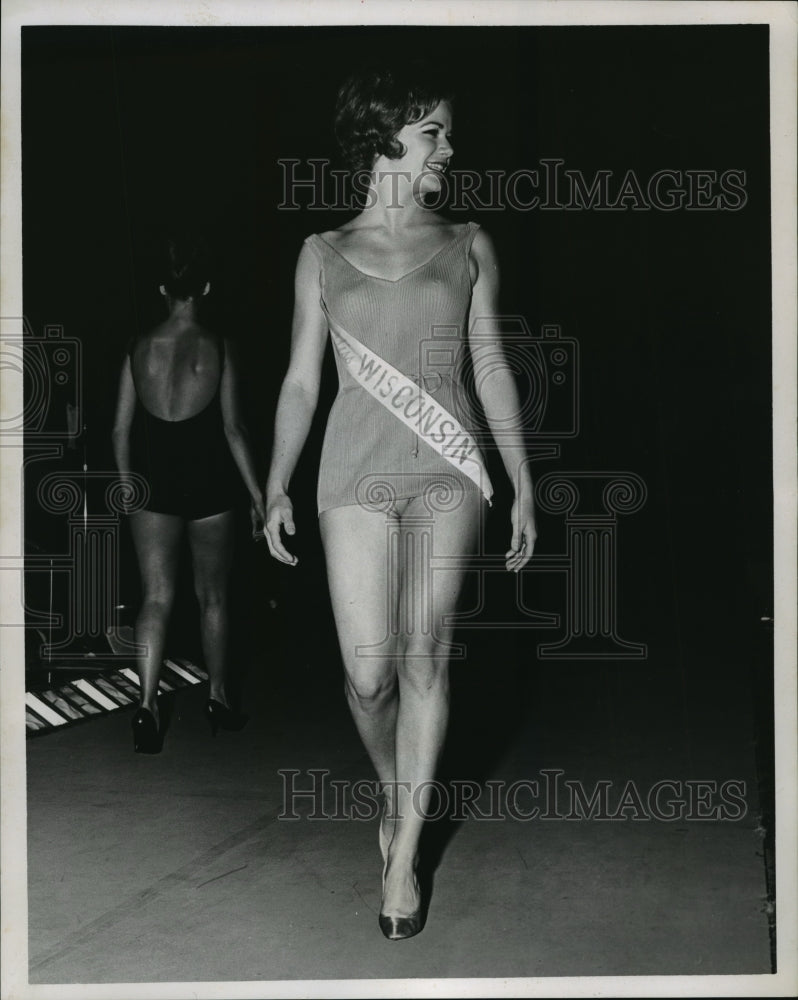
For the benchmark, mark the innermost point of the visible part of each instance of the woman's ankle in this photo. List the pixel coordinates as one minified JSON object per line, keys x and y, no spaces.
{"x":151,"y":706}
{"x":402,"y":858}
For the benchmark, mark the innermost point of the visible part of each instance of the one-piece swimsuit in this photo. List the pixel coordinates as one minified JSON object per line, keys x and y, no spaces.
{"x":416,"y":323}
{"x":186,"y":463}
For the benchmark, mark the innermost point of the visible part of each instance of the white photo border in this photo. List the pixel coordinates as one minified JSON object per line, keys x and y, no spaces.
{"x":783,"y":20}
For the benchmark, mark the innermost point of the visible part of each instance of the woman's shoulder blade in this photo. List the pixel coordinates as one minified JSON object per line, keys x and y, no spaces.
{"x":166,"y":334}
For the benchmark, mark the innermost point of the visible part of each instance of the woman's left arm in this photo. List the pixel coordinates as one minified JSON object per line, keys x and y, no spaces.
{"x":238,"y":438}
{"x":499,"y":397}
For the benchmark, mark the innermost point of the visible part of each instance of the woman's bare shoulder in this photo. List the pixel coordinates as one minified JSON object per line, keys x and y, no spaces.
{"x":169,"y":334}
{"x":482,"y":245}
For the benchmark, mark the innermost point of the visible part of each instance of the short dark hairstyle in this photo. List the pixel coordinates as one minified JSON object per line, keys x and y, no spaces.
{"x":375,"y":103}
{"x":187,"y":266}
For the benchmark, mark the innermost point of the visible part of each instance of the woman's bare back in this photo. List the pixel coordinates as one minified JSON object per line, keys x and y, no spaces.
{"x":176,"y":369}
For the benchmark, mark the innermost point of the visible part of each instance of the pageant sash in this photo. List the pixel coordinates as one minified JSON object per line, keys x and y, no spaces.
{"x":414,"y":406}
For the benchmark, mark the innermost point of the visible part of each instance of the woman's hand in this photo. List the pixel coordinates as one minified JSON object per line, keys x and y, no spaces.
{"x":280,"y":514}
{"x":257,"y":516}
{"x":522,"y":544}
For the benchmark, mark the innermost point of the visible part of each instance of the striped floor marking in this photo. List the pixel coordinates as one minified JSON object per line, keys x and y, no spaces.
{"x":95,"y":695}
{"x":131,"y":675}
{"x":46,"y":713}
{"x":98,"y":694}
{"x":191,"y":678}
{"x":62,"y":705}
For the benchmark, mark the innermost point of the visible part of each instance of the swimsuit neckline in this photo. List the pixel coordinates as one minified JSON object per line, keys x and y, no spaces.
{"x":395,"y":281}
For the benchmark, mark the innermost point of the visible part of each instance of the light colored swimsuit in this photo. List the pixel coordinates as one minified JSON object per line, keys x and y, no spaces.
{"x":418,"y":324}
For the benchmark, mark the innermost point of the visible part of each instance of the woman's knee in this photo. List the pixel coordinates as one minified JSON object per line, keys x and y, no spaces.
{"x":370,"y":687}
{"x":211,"y":597}
{"x":422,"y":667}
{"x":158,"y":602}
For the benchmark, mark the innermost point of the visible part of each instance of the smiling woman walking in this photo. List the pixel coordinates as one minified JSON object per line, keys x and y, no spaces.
{"x":399,"y":445}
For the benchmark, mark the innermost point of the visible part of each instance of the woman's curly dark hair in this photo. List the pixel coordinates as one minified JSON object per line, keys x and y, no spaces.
{"x":187,"y":265}
{"x":374,"y":104}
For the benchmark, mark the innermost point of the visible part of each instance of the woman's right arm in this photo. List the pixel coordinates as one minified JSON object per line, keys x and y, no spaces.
{"x":296,"y":405}
{"x":125,"y":408}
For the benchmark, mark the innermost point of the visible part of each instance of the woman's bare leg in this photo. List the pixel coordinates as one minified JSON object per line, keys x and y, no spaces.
{"x":211,"y":541}
{"x":359,"y":571}
{"x":156,"y":538}
{"x":400,"y":699}
{"x":423,"y":676}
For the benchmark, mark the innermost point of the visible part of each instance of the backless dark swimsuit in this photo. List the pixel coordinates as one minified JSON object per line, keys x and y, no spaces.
{"x":187,"y":463}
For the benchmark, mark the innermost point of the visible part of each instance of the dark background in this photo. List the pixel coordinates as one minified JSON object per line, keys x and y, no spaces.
{"x":128,"y":129}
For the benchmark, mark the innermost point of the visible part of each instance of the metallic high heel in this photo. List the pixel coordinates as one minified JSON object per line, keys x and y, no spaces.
{"x":399,"y":928}
{"x":222,"y":717}
{"x":147,"y":735}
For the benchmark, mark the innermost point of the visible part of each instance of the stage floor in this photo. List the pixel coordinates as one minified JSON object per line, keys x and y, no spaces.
{"x":184,"y":867}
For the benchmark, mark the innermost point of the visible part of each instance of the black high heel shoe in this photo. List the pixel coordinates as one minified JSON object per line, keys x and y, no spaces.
{"x":147,"y":736}
{"x":222,"y":717}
